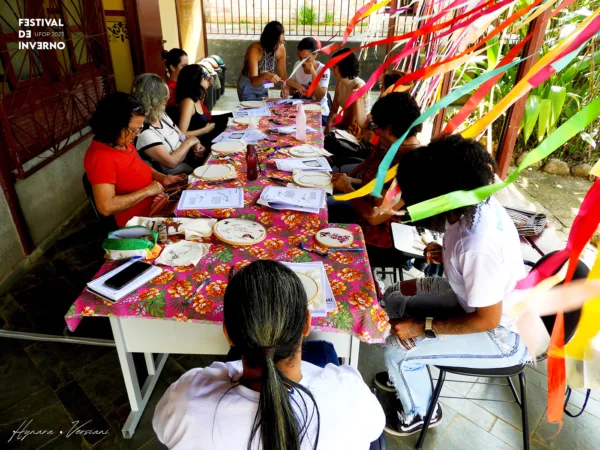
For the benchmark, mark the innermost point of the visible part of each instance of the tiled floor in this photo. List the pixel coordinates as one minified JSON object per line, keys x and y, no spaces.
{"x":51,"y":386}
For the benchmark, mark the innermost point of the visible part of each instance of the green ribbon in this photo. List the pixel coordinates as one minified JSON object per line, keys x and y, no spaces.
{"x":443,"y":103}
{"x":458,"y":199}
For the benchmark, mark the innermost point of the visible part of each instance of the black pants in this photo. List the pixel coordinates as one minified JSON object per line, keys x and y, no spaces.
{"x":345,"y":152}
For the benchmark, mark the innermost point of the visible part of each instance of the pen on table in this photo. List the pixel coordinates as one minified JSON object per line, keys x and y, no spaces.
{"x":350,"y":249}
{"x":200,"y":286}
{"x":278,"y":181}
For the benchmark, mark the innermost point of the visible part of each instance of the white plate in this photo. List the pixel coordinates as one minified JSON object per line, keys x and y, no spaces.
{"x":253,"y":104}
{"x":312,"y":107}
{"x":315,"y":179}
{"x":310,"y":286}
{"x":305,"y":151}
{"x":334,"y":237}
{"x":239,"y":231}
{"x":229,"y":147}
{"x":215,"y":172}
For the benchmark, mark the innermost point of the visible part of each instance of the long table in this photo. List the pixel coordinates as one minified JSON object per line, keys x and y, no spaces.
{"x":159,"y":318}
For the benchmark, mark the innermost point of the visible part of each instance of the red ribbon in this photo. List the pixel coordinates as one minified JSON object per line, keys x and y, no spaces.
{"x":485,"y":88}
{"x":423,"y":71}
{"x":584,"y":226}
{"x":351,"y":25}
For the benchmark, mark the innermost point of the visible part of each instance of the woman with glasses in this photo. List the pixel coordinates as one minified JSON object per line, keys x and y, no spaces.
{"x":270,"y":398}
{"x":123,"y":184}
{"x":262,"y":60}
{"x":161,"y":142}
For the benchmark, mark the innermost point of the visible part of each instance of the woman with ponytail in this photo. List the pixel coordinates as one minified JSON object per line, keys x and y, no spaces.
{"x":270,"y":399}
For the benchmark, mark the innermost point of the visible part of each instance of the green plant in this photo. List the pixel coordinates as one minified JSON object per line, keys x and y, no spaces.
{"x":306,"y":15}
{"x":328,"y":18}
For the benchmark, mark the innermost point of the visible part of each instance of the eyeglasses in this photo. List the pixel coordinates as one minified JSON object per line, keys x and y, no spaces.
{"x":373,"y":126}
{"x":135,"y":131}
{"x":138,"y":109}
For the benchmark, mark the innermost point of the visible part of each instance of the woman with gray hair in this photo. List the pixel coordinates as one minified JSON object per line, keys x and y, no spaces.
{"x":160,"y":140}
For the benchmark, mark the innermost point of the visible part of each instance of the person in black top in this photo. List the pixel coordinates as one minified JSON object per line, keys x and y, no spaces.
{"x":192,"y":117}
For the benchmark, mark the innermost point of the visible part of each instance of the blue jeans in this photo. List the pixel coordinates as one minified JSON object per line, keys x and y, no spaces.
{"x":406,"y":359}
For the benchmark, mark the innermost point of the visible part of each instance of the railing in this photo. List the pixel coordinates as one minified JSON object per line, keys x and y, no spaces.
{"x":324,"y":18}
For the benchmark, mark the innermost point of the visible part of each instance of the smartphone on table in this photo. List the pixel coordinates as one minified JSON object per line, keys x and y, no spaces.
{"x":118,"y":280}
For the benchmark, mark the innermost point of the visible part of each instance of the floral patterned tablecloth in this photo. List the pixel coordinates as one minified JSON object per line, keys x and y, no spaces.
{"x":252,"y":189}
{"x":172,"y":294}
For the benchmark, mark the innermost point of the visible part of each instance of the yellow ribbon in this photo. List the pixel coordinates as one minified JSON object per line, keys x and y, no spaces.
{"x":589,"y":323}
{"x":367,"y":188}
{"x":375,"y":7}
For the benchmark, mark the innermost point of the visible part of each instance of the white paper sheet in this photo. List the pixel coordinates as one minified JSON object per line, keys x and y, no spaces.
{"x":211,"y":199}
{"x":253,"y":112}
{"x":248,"y":136}
{"x":295,"y":199}
{"x":291,"y":164}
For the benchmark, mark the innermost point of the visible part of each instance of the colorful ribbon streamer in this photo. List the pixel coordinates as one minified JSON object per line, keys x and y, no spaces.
{"x":481,"y":93}
{"x":374,"y":187}
{"x":459,"y":199}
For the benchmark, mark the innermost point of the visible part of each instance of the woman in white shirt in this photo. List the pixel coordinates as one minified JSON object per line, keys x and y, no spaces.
{"x":160,"y":140}
{"x":270,"y":399}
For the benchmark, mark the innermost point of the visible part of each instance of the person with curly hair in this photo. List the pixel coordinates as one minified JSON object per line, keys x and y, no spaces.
{"x":460,"y":320}
{"x":161,"y":143}
{"x":123,"y":185}
{"x":261,"y":62}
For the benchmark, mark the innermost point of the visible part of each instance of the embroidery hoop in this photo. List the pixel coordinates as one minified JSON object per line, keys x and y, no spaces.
{"x":326,"y":241}
{"x":321,"y":179}
{"x":253,"y":104}
{"x":215,"y":172}
{"x":305,"y":151}
{"x":228,"y":147}
{"x":224,"y":231}
{"x":313,"y":107}
{"x":310,"y":286}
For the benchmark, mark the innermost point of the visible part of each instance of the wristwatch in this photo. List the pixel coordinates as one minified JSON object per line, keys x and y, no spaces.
{"x":429,"y":333}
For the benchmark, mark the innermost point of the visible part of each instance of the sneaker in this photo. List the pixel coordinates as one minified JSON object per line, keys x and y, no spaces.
{"x":395,"y":423}
{"x":383,"y":382}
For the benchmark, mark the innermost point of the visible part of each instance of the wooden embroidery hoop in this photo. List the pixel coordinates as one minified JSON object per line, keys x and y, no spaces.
{"x":228,"y":239}
{"x":203,"y":172}
{"x":310,"y":286}
{"x":228,"y":147}
{"x":317,"y":175}
{"x":332,"y":243}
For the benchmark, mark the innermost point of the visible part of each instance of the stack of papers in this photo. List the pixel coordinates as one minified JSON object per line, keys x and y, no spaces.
{"x":211,"y":199}
{"x":98,"y":287}
{"x":289,"y":129}
{"x":291,"y":164}
{"x":325,"y":300}
{"x":295,"y":199}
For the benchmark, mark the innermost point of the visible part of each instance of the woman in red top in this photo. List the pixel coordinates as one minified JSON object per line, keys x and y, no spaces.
{"x":123,"y":184}
{"x":175,"y":60}
{"x":389,"y":125}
